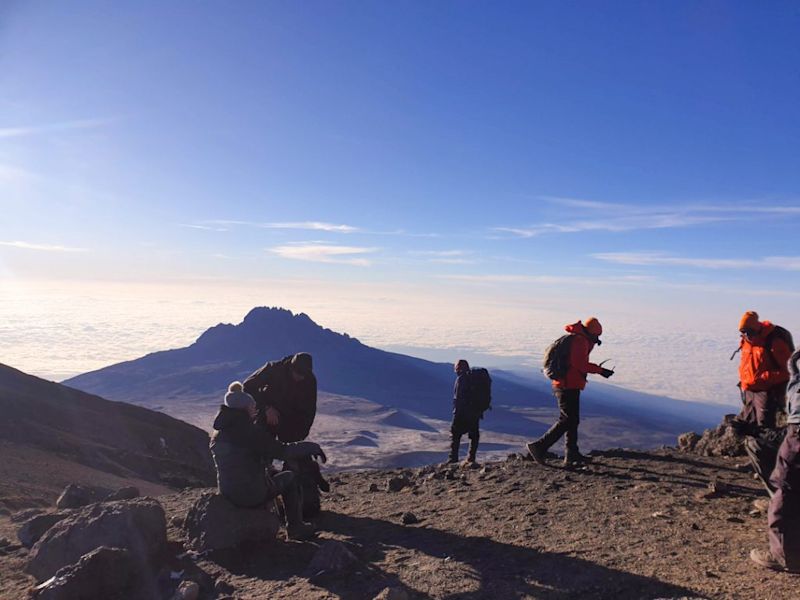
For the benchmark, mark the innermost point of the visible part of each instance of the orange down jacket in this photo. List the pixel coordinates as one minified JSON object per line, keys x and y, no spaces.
{"x":579,"y":365}
{"x":762,"y":367}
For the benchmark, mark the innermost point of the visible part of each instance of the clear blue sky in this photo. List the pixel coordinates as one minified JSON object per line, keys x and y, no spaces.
{"x":653,"y":144}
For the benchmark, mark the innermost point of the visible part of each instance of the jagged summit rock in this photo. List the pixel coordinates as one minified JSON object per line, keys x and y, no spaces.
{"x":718,"y":441}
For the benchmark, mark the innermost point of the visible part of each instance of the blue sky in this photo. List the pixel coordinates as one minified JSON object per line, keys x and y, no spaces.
{"x":635,"y":155}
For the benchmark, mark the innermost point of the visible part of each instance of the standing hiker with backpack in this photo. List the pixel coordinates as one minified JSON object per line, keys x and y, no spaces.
{"x":471,"y":398}
{"x":763,"y":373}
{"x":567,"y":365}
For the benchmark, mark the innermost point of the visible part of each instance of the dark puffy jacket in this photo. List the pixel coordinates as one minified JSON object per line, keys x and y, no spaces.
{"x":240,"y":451}
{"x":296,"y":401}
{"x":461,"y":396}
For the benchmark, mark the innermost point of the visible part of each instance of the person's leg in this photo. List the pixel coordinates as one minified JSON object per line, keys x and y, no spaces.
{"x":762,"y":410}
{"x":571,"y":407}
{"x":558,"y":428}
{"x":783,"y":517}
{"x":474,"y":437}
{"x":456,"y":431}
{"x":762,"y":452}
{"x":747,"y":415}
{"x":286,"y":486}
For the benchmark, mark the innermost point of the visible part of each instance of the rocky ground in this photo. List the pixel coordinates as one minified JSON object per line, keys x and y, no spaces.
{"x":660,"y":524}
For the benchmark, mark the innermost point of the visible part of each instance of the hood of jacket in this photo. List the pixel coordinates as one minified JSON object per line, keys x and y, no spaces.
{"x":229,"y":418}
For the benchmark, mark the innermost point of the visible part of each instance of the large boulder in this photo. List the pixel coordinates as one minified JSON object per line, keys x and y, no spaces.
{"x":35,"y":527}
{"x":213,"y":523}
{"x":723,"y":440}
{"x":138,"y":526}
{"x":76,"y":496}
{"x":102,"y":573}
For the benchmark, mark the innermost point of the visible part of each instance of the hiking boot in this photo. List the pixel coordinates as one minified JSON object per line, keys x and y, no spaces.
{"x":536,"y":452}
{"x":471,"y":463}
{"x":300,"y":531}
{"x":574,"y":459}
{"x":765,"y":559}
{"x":451,"y":460}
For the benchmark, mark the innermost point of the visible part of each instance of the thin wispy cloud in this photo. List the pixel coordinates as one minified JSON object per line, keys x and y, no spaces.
{"x":445,"y":257}
{"x":589,"y":215}
{"x":325,"y":253}
{"x":41,"y":247}
{"x":297,"y":225}
{"x":201,"y":227}
{"x":31,"y":130}
{"x":783,"y":263}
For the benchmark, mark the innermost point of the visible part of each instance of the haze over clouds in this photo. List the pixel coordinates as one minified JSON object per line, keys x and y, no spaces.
{"x":426,"y":177}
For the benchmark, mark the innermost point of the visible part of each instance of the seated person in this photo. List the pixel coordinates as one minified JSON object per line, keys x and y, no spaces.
{"x":241,"y":451}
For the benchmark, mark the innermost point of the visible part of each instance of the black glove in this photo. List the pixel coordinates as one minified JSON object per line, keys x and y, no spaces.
{"x":606,"y":373}
{"x":303,"y":449}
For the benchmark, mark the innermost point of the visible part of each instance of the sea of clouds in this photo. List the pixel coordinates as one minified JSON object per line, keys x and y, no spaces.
{"x":57,"y":331}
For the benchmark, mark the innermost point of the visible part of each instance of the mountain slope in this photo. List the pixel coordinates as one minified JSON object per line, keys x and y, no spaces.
{"x":52,"y":435}
{"x":343,"y":366}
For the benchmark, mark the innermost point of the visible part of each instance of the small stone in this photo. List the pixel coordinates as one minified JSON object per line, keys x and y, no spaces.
{"x":409,"y":518}
{"x":177,"y":521}
{"x":395,"y":484}
{"x":734,"y":520}
{"x":332,"y":557}
{"x":393,"y":593}
{"x":373,"y":487}
{"x":187,"y":590}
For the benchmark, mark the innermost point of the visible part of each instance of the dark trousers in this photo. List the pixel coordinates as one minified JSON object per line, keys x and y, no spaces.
{"x":761,"y":408}
{"x":464,"y":423}
{"x":570,"y":410}
{"x":285,"y":485}
{"x":783,"y":517}
{"x":763,"y":453}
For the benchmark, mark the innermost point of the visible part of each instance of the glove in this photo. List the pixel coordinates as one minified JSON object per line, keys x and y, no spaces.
{"x":303,"y":449}
{"x":606,"y":373}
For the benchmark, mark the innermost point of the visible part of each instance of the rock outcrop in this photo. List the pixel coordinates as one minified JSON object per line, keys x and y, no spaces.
{"x":35,"y":527}
{"x":723,"y":440}
{"x":102,"y":573}
{"x":138,"y":526}
{"x":213,"y":523}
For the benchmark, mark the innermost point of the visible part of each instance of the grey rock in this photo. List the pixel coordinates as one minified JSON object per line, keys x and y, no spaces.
{"x":720,"y":441}
{"x":373,"y":487}
{"x":395,"y":484}
{"x":213,"y":523}
{"x":187,"y":590}
{"x":409,"y":518}
{"x":102,"y":573}
{"x":25,"y":515}
{"x":393,"y":593}
{"x":138,"y":526}
{"x":76,"y":496}
{"x":35,"y":528}
{"x":126,"y":493}
{"x":332,"y":558}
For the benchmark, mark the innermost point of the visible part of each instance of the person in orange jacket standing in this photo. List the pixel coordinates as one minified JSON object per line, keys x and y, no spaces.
{"x":763,"y":372}
{"x":583,"y":337}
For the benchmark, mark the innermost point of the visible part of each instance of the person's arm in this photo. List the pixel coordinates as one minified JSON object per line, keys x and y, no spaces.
{"x":579,"y":357}
{"x":258,"y":380}
{"x":461,"y":390}
{"x":780,"y":353}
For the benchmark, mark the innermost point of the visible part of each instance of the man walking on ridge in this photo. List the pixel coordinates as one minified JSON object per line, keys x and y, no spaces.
{"x":763,"y":373}
{"x":466,"y":417}
{"x":568,"y":382}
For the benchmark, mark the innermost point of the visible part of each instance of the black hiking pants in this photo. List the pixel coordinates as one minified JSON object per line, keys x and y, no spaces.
{"x":761,"y":408}
{"x":569,"y":416}
{"x":464,"y":423}
{"x":783,"y":516}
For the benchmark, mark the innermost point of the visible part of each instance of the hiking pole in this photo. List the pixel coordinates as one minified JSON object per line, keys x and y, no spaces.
{"x":604,"y":362}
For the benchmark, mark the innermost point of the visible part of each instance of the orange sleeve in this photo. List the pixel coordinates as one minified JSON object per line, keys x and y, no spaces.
{"x":579,"y":358}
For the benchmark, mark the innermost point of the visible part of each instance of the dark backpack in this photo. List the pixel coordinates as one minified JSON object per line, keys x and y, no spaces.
{"x":781,"y":334}
{"x":480,"y":390}
{"x":556,"y":358}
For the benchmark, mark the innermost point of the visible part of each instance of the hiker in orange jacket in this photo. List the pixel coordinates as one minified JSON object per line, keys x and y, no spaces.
{"x":568,"y":390}
{"x":763,"y":372}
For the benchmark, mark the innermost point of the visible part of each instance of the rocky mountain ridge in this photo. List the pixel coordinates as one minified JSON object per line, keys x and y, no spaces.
{"x":630,"y":525}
